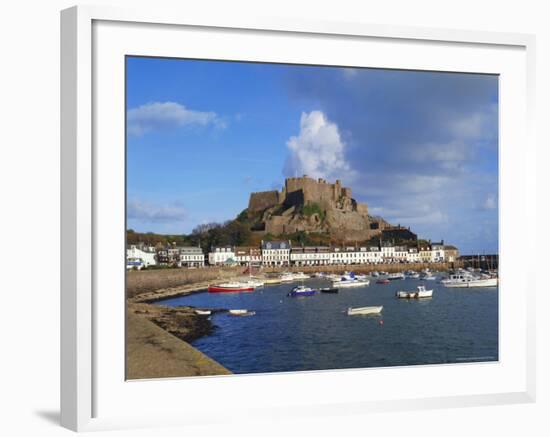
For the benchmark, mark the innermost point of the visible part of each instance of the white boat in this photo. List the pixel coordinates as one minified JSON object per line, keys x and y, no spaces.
{"x":428,"y":276}
{"x":348,"y":283}
{"x":467,"y":280}
{"x":375,"y":274}
{"x":255,"y":282}
{"x":241,"y":313}
{"x":411,"y":274}
{"x":300,"y":276}
{"x":203,"y":312}
{"x":237,"y":312}
{"x":287,"y":277}
{"x":364,"y":310}
{"x":396,"y":276}
{"x":420,"y":293}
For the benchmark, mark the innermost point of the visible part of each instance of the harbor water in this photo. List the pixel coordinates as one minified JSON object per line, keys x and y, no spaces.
{"x":456,"y":325}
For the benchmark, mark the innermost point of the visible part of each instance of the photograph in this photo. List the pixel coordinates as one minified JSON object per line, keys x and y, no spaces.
{"x":291,"y":218}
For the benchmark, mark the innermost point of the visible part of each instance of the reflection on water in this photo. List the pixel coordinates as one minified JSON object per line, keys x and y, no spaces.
{"x":314,"y":333}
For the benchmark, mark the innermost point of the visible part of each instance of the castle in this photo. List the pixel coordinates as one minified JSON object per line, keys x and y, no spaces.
{"x":332,"y":209}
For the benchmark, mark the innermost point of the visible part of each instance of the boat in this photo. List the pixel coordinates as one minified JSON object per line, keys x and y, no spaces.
{"x":300,"y":290}
{"x":286,"y":277}
{"x":375,"y":274}
{"x":230,"y":287}
{"x":348,"y":280}
{"x":328,"y":290}
{"x":241,"y":313}
{"x":272,"y":281}
{"x":428,"y":276}
{"x":420,"y":293}
{"x":383,"y":281}
{"x":348,"y":283}
{"x":299,"y":276}
{"x":464,"y":279}
{"x":253,"y":282}
{"x":203,"y":312}
{"x":364,"y":310}
{"x":332,"y":277}
{"x":411,"y":274}
{"x":248,"y":313}
{"x":396,"y":276}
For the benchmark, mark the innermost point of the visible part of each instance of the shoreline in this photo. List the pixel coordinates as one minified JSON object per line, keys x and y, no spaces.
{"x":158,"y":336}
{"x":163,"y":293}
{"x":159,"y":350}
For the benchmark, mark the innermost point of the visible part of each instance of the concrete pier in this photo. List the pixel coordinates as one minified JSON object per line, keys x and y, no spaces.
{"x":152,"y":352}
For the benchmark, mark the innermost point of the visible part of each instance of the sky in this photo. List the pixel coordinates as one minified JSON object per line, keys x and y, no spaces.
{"x":420,"y":148}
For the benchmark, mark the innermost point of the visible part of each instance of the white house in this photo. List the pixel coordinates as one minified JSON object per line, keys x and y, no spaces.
{"x":221,"y":255}
{"x":348,"y":255}
{"x":140,"y":257}
{"x":438,"y":252}
{"x":401,"y":253}
{"x":276,"y":253}
{"x":388,"y":251}
{"x":374,"y":255}
{"x":310,"y":256}
{"x":191,"y":257}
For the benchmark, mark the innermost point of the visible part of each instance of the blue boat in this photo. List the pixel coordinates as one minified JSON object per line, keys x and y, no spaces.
{"x":300,"y":290}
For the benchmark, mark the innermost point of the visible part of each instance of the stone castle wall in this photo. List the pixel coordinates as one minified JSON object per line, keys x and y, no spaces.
{"x":263,"y":200}
{"x":304,"y":190}
{"x":315,"y":191}
{"x":343,"y":216}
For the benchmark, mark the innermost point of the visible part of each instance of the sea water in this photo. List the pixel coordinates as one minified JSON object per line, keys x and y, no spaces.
{"x":456,"y":325}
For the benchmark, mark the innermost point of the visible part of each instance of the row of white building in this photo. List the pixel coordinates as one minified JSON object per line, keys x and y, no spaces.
{"x":281,"y":253}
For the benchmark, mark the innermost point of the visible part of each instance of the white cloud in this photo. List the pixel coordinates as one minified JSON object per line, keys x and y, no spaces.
{"x":446,"y":156}
{"x":141,"y":210}
{"x":318,"y":150}
{"x":476,"y":125}
{"x":167,"y":115}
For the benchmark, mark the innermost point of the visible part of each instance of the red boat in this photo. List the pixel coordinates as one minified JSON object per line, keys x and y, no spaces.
{"x":230,"y":287}
{"x":383,"y":281}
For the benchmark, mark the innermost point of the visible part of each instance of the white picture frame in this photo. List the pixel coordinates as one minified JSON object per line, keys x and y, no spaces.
{"x":88,"y":402}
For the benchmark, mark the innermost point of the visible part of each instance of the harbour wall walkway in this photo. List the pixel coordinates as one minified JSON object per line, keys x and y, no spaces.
{"x":152,"y":352}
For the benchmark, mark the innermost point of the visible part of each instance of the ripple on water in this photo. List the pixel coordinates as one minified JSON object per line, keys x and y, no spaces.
{"x":314,"y":333}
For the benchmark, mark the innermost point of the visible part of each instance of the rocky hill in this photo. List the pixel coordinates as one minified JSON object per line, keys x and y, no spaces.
{"x":313,"y":206}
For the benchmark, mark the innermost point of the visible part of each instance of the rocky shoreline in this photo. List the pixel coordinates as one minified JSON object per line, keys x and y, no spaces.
{"x":181,"y":322}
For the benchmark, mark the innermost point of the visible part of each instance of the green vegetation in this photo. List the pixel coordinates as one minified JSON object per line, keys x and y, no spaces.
{"x":243,"y":216}
{"x":313,"y":208}
{"x":152,"y":239}
{"x":233,"y":232}
{"x":239,"y":232}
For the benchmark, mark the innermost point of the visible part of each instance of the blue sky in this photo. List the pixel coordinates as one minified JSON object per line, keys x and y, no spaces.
{"x":421,"y":148}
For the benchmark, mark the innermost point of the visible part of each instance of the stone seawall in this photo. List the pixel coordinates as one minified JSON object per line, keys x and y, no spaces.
{"x":154,"y":282}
